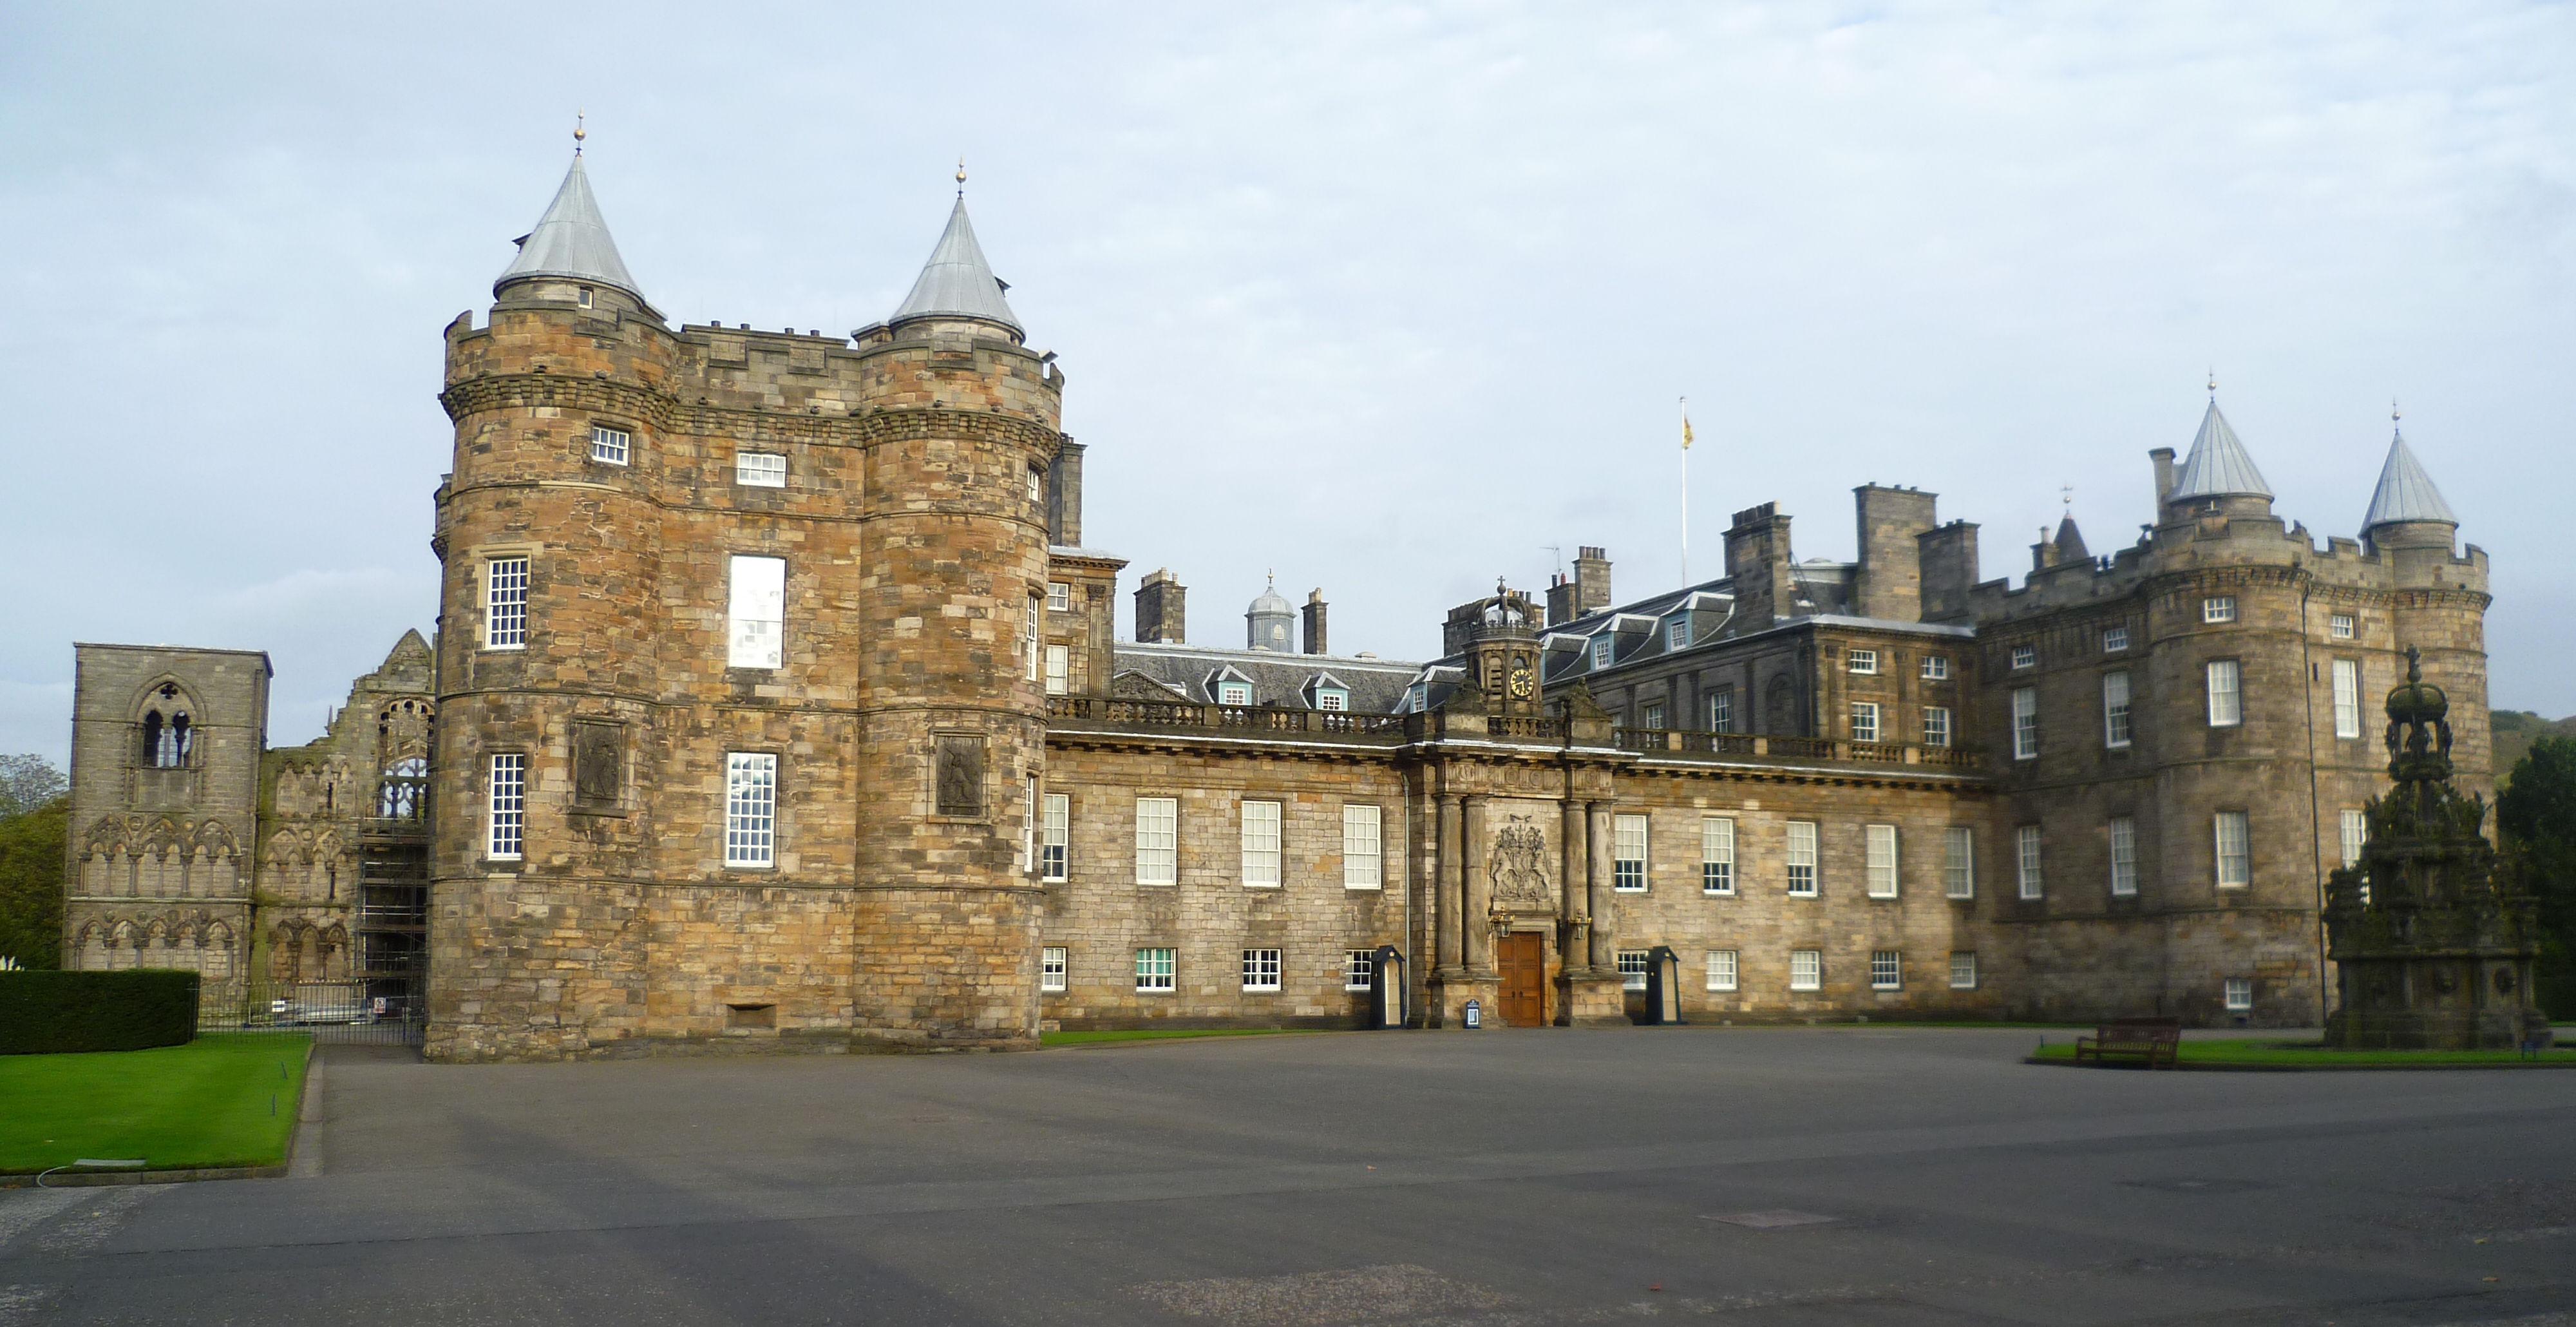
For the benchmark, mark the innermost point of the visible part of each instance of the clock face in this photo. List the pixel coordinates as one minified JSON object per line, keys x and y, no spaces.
{"x":1523,"y":684}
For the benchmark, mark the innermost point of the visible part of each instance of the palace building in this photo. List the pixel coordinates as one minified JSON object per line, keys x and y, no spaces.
{"x":777,"y":702}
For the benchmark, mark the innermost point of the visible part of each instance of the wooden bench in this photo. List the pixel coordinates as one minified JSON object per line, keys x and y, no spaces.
{"x":2151,"y":1042}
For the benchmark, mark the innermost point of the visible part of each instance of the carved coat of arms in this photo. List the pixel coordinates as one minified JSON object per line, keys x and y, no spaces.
{"x":1518,"y":866}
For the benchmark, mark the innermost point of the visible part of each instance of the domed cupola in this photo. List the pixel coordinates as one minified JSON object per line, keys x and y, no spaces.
{"x":1270,"y":623}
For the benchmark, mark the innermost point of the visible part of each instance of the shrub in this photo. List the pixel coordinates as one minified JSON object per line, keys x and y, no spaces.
{"x":47,"y":1012}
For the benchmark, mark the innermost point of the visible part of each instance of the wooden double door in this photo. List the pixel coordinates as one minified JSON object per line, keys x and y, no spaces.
{"x":1521,"y":959}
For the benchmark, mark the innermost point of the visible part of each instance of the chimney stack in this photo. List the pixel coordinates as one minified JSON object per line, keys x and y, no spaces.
{"x":1315,"y":621}
{"x":1161,"y":605}
{"x":1064,"y":496}
{"x":2163,"y":457}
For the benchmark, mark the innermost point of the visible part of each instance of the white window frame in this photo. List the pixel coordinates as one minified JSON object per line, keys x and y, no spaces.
{"x":1261,"y":971}
{"x":2025,"y":656}
{"x":1879,"y":847}
{"x":1959,"y":862}
{"x":2115,"y":639}
{"x":755,"y":611}
{"x":1158,"y":971}
{"x":1717,"y":854}
{"x":1936,"y":668}
{"x":1262,"y":837}
{"x":1032,"y":638}
{"x":1234,"y":693}
{"x":1051,"y":969}
{"x":1628,"y":842}
{"x":1030,"y":800}
{"x":2116,"y":728}
{"x":2124,"y":856}
{"x":1864,"y":720}
{"x":585,"y":297}
{"x":2027,"y":862}
{"x":1060,"y":596}
{"x":505,"y":807}
{"x":2347,"y":699}
{"x":2226,"y":686}
{"x":2352,"y":831}
{"x":1158,"y":841}
{"x":1887,"y":970}
{"x":760,"y":469}
{"x":1936,"y":725}
{"x":1651,"y":715}
{"x":1798,"y":859}
{"x":2239,"y":994}
{"x":1725,"y":969}
{"x":2218,"y":608}
{"x":1863,"y":661}
{"x":1359,"y":969}
{"x":2025,"y":721}
{"x":611,"y":446}
{"x":1601,"y":646}
{"x":1677,"y":634}
{"x":1363,"y":846}
{"x":2232,"y":837}
{"x":1059,"y":669}
{"x":1055,"y":836}
{"x":1963,"y":969}
{"x":1806,"y":969}
{"x":750,"y":810}
{"x":2339,"y":626}
{"x":1332,"y":700}
{"x":505,"y":602}
{"x":1721,"y":711}
{"x":1632,"y":968}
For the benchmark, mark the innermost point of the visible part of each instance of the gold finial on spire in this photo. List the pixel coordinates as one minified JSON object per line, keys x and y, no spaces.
{"x":2392,"y":410}
{"x":961,"y":177}
{"x":578,"y":133}
{"x":2066,"y":495}
{"x":2213,"y":382}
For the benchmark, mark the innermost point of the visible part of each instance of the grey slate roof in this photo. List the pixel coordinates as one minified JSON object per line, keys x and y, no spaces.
{"x":1376,"y":685}
{"x":2218,"y":466}
{"x":956,"y":281}
{"x":2405,"y":492}
{"x":571,"y":240}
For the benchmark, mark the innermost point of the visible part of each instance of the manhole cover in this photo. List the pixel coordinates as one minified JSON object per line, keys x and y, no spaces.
{"x":1774,"y":1219}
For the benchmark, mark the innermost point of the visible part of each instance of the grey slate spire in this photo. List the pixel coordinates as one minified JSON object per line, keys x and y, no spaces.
{"x":2405,"y":492}
{"x":956,"y":282}
{"x":571,"y":242}
{"x":2218,"y":466}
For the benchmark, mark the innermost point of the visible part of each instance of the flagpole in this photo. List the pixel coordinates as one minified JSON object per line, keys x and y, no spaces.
{"x":1686,"y":442}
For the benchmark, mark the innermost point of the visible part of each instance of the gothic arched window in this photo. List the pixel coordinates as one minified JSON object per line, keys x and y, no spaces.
{"x":165,"y":741}
{"x":398,"y":795}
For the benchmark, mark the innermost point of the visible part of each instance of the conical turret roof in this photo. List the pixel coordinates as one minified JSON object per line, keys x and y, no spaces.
{"x":956,"y":282}
{"x":2405,"y":492}
{"x":2069,"y":540}
{"x":571,"y":241}
{"x":2218,"y":466}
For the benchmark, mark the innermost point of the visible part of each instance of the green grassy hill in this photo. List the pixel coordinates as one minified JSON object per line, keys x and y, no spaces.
{"x":2515,"y":731}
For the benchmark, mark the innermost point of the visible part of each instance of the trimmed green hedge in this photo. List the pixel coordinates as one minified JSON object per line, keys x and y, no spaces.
{"x":49,"y":1012}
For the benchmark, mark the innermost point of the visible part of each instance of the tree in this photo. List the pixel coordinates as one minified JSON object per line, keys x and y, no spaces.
{"x":32,"y":844}
{"x":2536,"y":815}
{"x":28,"y":782}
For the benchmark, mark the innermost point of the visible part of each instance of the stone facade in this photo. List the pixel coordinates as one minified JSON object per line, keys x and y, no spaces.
{"x":779,"y":704}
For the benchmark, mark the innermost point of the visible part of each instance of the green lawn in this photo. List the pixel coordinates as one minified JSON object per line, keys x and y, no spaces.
{"x":202,"y":1104}
{"x":1159,"y":1034}
{"x":2263,"y":1051}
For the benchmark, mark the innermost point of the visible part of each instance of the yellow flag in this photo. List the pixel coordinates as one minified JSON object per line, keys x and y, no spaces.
{"x":1686,"y":433}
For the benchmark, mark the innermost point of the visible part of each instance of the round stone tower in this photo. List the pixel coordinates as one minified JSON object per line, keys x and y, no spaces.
{"x":959,"y":423}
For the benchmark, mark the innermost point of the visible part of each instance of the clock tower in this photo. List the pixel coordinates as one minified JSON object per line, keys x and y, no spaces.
{"x":1499,"y":636}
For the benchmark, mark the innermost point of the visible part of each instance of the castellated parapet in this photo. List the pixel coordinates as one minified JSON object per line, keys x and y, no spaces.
{"x":903,"y":486}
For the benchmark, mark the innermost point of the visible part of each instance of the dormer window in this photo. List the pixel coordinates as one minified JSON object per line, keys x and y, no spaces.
{"x":1601,"y":650}
{"x":1677,"y":634}
{"x":1233,"y":693}
{"x":1417,"y":697}
{"x":609,"y":445}
{"x":1864,"y":661}
{"x":2218,"y":608}
{"x":1332,"y":698}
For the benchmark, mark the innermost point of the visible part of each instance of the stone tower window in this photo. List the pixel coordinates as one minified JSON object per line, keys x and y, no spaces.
{"x":751,"y":809}
{"x":2218,"y":608}
{"x":2226,"y":697}
{"x":166,"y":742}
{"x":609,"y":446}
{"x":756,"y":613}
{"x":760,"y":469}
{"x":505,"y":604}
{"x":586,"y":298}
{"x":2339,"y":626}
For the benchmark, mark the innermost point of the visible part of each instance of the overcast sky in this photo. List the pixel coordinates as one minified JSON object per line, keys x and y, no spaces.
{"x":1388,"y":299}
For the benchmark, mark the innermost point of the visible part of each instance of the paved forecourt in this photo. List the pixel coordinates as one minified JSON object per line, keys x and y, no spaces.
{"x":1759,"y":1175}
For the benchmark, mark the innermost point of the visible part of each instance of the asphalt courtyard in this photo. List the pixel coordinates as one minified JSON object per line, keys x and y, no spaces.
{"x":1829,"y":1175}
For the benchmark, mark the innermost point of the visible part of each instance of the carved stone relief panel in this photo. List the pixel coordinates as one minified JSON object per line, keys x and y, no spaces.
{"x":958,"y":767}
{"x":598,"y":763}
{"x":1520,"y":859}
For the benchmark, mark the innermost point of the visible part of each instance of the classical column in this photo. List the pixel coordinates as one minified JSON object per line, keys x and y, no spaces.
{"x":1602,"y":904}
{"x":1479,"y":894}
{"x":1443,"y":892}
{"x":1574,"y":873}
